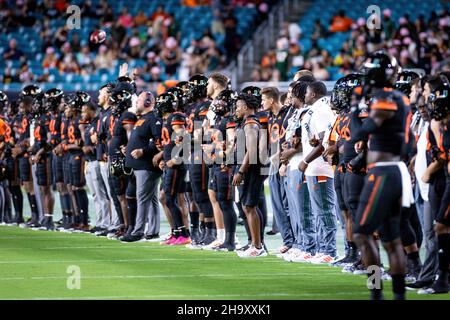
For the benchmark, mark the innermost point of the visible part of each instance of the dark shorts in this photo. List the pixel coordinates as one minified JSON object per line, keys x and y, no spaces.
{"x":199,"y":177}
{"x":212,"y":185}
{"x":224,"y":178}
{"x":380,"y":203}
{"x":444,"y":210}
{"x":173,"y":180}
{"x":338,"y":186}
{"x":66,"y":168}
{"x":44,"y":171}
{"x":353,"y":184}
{"x":250,"y":191}
{"x":12,"y":169}
{"x":25,"y":169}
{"x":76,"y":170}
{"x":131,"y":187}
{"x":57,"y":169}
{"x":118,"y":185}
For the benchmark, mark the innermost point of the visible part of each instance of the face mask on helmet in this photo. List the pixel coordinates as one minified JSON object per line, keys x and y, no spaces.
{"x":404,"y":81}
{"x":31,"y":90}
{"x":197,"y":84}
{"x":179,"y":94}
{"x":166,"y":103}
{"x":73,"y":101}
{"x":254,"y":91}
{"x":343,"y":89}
{"x":83,"y":96}
{"x":380,"y":70}
{"x":439,"y":101}
{"x":127,"y":84}
{"x":3,"y":100}
{"x":53,"y":98}
{"x":121,"y":101}
{"x":223,"y":103}
{"x":38,"y":106}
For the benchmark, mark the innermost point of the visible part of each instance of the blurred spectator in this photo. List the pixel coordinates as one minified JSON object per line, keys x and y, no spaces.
{"x":44,"y":77}
{"x":13,"y":53}
{"x":319,"y":31}
{"x":85,"y":60}
{"x":134,"y":48}
{"x":231,"y":37}
{"x":159,"y":14}
{"x":60,"y":37}
{"x":50,"y":59}
{"x":217,"y":24}
{"x":8,"y":77}
{"x":75,"y":43}
{"x":25,"y":74}
{"x":387,"y":24}
{"x":125,"y":19}
{"x":282,"y":55}
{"x":140,"y":19}
{"x":69,"y":64}
{"x":118,"y":34}
{"x":104,"y":58}
{"x":108,"y":17}
{"x":340,"y":23}
{"x":171,"y":56}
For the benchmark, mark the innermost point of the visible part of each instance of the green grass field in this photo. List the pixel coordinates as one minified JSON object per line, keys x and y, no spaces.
{"x":34,"y":264}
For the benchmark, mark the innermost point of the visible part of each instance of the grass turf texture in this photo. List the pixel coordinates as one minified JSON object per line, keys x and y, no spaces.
{"x":33,"y":265}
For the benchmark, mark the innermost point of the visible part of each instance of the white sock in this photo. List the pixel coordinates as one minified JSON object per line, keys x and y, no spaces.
{"x":221,"y":235}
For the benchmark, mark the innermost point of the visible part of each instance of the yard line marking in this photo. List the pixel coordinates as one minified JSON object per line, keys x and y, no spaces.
{"x":190,"y":295}
{"x":246,"y":275}
{"x":218,"y":258}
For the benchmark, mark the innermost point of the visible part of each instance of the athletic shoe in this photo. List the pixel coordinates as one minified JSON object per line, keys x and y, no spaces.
{"x":103,"y":233}
{"x":119,"y":233}
{"x":227,"y":247}
{"x":317,"y":256}
{"x":152,"y":238}
{"x":386,"y":275}
{"x":47,"y":224}
{"x":181,"y":241}
{"x":292,"y":253}
{"x":324,"y":259}
{"x":168,"y":241}
{"x":349,"y":268}
{"x":17,"y":221}
{"x":360,"y":269}
{"x":212,"y":245}
{"x":304,"y":257}
{"x":419,"y":284}
{"x":281,"y":250}
{"x":166,"y":236}
{"x":32,"y":224}
{"x":252,"y":252}
{"x":96,"y":229}
{"x":438,"y":287}
{"x":130,"y":238}
{"x":195,"y":234}
{"x":244,"y":247}
{"x":271,"y":233}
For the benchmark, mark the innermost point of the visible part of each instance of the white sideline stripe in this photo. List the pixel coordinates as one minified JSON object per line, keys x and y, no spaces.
{"x":89,"y":247}
{"x":190,"y":295}
{"x":267,"y":275}
{"x":125,"y":260}
{"x":307,"y":265}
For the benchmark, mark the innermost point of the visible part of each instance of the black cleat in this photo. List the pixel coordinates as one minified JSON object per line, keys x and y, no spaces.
{"x":130,"y":238}
{"x":272,"y":232}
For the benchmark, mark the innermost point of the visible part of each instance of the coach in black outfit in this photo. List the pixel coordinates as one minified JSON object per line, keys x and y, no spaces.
{"x":142,"y":147}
